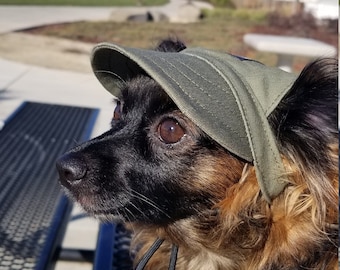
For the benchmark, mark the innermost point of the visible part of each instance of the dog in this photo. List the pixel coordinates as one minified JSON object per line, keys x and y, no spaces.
{"x":166,"y":178}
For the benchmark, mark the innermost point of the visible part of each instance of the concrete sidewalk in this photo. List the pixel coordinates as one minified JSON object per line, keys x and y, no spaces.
{"x":21,"y":82}
{"x":13,"y":18}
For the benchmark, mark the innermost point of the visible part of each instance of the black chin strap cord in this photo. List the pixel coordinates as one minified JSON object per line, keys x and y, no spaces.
{"x":173,"y":257}
{"x":154,"y":247}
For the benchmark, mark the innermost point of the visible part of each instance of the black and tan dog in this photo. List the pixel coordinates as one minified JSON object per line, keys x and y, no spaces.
{"x":158,"y":172}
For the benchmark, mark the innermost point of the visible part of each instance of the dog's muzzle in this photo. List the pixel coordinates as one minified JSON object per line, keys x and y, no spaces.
{"x":71,"y":169}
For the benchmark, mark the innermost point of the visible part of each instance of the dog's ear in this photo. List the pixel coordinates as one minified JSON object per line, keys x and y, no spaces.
{"x":307,"y":116}
{"x":170,"y":45}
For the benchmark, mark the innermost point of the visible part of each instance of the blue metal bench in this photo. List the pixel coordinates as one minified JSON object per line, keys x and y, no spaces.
{"x":33,"y":211}
{"x":113,"y":248}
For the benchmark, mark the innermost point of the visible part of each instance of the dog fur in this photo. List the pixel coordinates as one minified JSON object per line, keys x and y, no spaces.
{"x":159,"y":173}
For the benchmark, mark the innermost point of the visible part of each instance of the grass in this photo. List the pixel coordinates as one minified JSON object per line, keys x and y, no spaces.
{"x":228,"y":30}
{"x":225,"y":35}
{"x":85,"y":2}
{"x":220,"y":30}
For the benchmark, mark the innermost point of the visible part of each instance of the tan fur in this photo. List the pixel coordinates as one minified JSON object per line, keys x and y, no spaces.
{"x":243,"y":231}
{"x":158,"y":171}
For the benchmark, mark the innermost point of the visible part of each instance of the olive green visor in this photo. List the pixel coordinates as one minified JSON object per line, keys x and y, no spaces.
{"x":228,"y":97}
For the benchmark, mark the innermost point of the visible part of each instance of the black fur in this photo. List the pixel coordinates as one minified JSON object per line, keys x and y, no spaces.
{"x":170,"y":45}
{"x":129,"y":164}
{"x":131,"y":174}
{"x":306,"y":120}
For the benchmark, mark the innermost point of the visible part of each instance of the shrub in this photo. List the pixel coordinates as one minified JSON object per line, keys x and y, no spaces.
{"x":252,"y":15}
{"x":222,"y":3}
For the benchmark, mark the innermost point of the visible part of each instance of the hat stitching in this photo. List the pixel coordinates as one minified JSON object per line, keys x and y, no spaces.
{"x":230,"y":83}
{"x":242,"y":107}
{"x":202,"y":106}
{"x":199,"y":104}
{"x":262,"y":123}
{"x":109,"y":72}
{"x":254,"y":98}
{"x":253,"y":147}
{"x":156,"y":64}
{"x":168,"y":75}
{"x":252,"y":63}
{"x":245,"y":117}
{"x":203,"y":90}
{"x":279,"y":96}
{"x":278,"y":162}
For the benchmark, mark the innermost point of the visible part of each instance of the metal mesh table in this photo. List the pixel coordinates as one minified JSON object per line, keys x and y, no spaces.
{"x":33,"y":211}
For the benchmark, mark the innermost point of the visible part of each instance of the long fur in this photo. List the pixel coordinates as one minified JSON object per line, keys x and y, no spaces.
{"x":195,"y":194}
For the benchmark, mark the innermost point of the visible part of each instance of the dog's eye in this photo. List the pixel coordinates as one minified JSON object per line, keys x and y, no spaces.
{"x":118,"y":111}
{"x":170,"y":131}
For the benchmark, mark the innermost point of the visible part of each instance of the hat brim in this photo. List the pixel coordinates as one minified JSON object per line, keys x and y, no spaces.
{"x":215,"y":92}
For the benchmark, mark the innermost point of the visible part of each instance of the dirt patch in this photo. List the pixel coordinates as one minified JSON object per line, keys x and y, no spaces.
{"x":68,"y":46}
{"x":50,"y":52}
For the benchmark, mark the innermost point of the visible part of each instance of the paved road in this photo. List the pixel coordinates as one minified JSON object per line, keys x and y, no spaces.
{"x":19,"y":17}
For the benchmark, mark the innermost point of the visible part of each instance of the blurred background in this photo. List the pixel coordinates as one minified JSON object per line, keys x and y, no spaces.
{"x":216,"y":24}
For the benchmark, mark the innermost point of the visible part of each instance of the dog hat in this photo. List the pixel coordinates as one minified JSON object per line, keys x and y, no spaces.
{"x":228,"y":97}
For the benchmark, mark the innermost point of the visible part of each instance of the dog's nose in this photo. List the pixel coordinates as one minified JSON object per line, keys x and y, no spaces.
{"x":71,"y":168}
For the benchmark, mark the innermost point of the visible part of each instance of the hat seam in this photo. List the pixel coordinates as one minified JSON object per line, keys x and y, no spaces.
{"x":266,"y":132}
{"x":229,"y":82}
{"x":107,"y":72}
{"x":141,"y":58}
{"x":256,"y":163}
{"x":204,"y":91}
{"x":198,"y":103}
{"x":278,"y":97}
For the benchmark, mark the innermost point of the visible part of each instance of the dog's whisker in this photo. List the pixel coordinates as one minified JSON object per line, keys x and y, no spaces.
{"x":121,"y":216}
{"x":134,"y":206}
{"x":151,"y":203}
{"x":126,"y":210}
{"x":148,"y":201}
{"x":141,"y":196}
{"x":128,"y":213}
